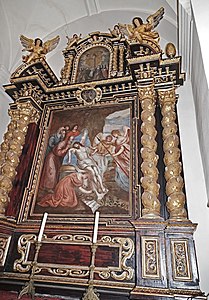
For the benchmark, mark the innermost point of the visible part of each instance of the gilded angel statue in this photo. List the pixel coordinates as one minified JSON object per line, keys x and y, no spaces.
{"x":139,"y":31}
{"x":37,"y":48}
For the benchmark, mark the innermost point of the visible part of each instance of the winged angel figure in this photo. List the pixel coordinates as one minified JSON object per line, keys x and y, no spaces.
{"x":140,"y":31}
{"x":37,"y":48}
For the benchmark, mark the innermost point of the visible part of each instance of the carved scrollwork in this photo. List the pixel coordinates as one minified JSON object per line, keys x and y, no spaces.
{"x":181,"y":264}
{"x":149,"y":169}
{"x":173,"y":168}
{"x":121,"y":272}
{"x":4,"y":245}
{"x":150,"y":257}
{"x":23,"y":247}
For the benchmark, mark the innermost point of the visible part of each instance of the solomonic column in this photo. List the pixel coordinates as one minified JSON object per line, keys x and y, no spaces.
{"x":150,"y":201}
{"x":11,"y":148}
{"x":173,"y":167}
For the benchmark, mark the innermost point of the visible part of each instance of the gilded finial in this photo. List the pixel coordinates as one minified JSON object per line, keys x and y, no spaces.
{"x":170,"y":50}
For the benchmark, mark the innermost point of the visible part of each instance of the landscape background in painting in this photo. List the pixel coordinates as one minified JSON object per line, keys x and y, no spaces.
{"x":87,"y":162}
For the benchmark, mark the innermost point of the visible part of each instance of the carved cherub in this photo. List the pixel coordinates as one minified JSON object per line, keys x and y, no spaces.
{"x":72,"y":40}
{"x":116,"y":32}
{"x":140,"y":31}
{"x":37,"y":48}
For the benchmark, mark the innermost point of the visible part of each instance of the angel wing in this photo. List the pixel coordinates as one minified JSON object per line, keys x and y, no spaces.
{"x":126,"y":29}
{"x":26,"y":42}
{"x":51,"y":44}
{"x":155,"y":18}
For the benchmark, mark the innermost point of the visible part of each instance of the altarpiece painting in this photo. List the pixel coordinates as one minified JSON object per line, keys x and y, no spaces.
{"x":87,"y":162}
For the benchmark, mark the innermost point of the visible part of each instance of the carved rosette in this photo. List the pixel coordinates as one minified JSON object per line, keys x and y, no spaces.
{"x":11,"y":148}
{"x":151,"y":204}
{"x":173,"y":167}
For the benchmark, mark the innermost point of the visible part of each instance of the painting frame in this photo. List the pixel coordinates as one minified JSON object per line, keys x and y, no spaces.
{"x":29,"y":209}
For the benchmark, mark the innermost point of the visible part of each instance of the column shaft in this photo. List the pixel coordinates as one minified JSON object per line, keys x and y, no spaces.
{"x":151,"y":204}
{"x":173,"y":167}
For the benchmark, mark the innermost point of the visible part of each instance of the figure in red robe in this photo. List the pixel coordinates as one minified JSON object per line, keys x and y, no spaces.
{"x":64,"y":194}
{"x":53,"y":161}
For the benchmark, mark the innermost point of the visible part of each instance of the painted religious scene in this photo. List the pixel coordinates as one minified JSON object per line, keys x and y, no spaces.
{"x":93,"y":64}
{"x":87,"y":162}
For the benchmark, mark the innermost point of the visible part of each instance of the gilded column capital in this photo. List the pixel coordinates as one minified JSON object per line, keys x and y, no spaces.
{"x":150,"y":201}
{"x":172,"y":153}
{"x":28,"y":112}
{"x":147,"y":92}
{"x":167,"y":96}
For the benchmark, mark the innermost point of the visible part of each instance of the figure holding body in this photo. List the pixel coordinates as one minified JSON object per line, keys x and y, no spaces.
{"x":52,"y":164}
{"x":55,"y":138}
{"x":87,"y":164}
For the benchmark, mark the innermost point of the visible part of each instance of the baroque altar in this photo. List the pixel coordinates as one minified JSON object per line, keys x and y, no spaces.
{"x":103,"y":137}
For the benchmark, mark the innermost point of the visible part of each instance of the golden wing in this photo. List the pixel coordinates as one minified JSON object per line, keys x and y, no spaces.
{"x":26,"y":42}
{"x":156,"y":17}
{"x":51,"y":44}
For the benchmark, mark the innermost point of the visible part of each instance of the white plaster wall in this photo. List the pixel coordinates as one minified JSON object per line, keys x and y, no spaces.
{"x":194,"y":180}
{"x":201,"y":15}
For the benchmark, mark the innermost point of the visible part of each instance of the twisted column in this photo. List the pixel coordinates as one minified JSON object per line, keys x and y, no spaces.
{"x":11,"y":148}
{"x":173,"y":167}
{"x":151,"y":204}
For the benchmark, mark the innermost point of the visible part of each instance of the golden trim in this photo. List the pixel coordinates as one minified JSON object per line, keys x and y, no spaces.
{"x":180,"y":260}
{"x":150,"y":257}
{"x":120,"y":273}
{"x":173,"y":167}
{"x":4,"y":247}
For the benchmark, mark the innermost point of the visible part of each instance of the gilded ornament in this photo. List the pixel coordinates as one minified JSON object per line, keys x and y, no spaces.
{"x":174,"y":181}
{"x":151,"y":205}
{"x":149,"y":142}
{"x":149,"y":155}
{"x":147,"y":116}
{"x":8,"y":170}
{"x":139,"y":31}
{"x":37,"y":48}
{"x":174,"y":184}
{"x":172,"y":155}
{"x":169,"y":129}
{"x":170,"y":50}
{"x":149,"y":184}
{"x":171,"y":142}
{"x":5,"y":183}
{"x":172,"y":170}
{"x":148,"y":169}
{"x":149,"y":130}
